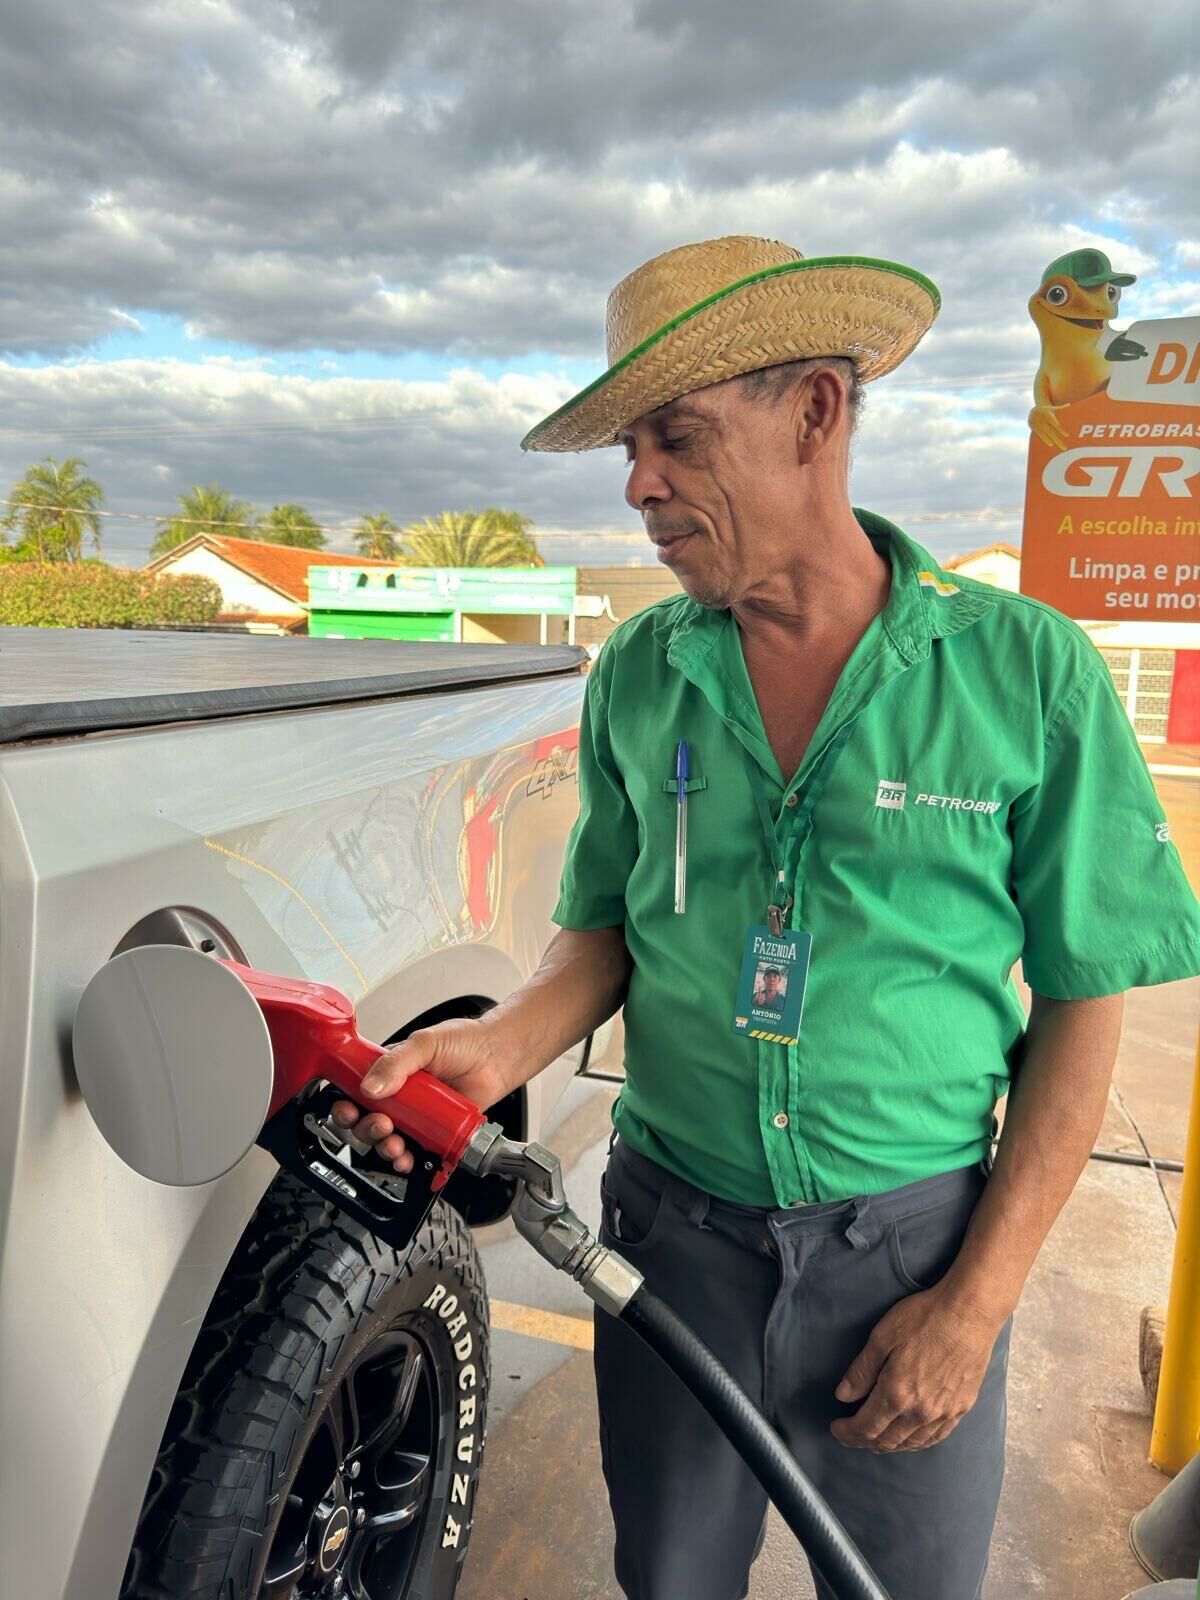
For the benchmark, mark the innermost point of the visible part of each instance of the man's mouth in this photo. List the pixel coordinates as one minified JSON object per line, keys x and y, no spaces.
{"x":667,"y":544}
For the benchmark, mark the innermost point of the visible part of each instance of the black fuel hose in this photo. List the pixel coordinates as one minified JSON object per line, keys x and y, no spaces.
{"x":808,"y":1516}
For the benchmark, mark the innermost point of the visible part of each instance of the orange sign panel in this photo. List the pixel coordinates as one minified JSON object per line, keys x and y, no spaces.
{"x":1112,"y":496}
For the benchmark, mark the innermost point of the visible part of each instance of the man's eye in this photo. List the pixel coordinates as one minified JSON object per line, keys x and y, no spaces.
{"x":676,"y":441}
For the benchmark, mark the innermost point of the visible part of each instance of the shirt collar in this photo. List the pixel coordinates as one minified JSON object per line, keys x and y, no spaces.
{"x":925,"y":602}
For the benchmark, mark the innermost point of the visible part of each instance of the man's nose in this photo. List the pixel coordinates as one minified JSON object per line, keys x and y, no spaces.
{"x":646,"y":486}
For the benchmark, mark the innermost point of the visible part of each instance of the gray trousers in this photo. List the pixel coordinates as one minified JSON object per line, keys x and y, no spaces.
{"x":785,"y":1299}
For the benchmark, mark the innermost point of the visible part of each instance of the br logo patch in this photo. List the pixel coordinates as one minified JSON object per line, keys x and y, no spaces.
{"x":891,"y":795}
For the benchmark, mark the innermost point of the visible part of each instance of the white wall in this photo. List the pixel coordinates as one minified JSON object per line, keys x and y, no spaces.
{"x":239,"y":592}
{"x":1144,"y":635}
{"x":484,"y":628}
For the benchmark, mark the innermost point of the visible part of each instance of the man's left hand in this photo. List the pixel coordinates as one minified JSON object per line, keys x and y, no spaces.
{"x":918,"y":1374}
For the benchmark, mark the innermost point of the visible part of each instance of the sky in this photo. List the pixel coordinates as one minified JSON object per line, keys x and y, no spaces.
{"x":346,"y":252}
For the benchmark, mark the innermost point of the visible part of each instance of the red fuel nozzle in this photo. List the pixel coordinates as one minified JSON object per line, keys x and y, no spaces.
{"x":314,"y":1036}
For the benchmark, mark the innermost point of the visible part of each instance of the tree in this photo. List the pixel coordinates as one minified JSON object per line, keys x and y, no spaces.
{"x":291,"y":524}
{"x":375,"y":537}
{"x":204,"y":508}
{"x":91,"y":594}
{"x":51,"y":509}
{"x":490,"y":538}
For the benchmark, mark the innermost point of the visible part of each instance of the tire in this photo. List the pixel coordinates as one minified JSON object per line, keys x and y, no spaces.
{"x":329,"y":1369}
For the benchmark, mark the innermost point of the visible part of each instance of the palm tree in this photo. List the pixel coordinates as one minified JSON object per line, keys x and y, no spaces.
{"x":375,"y":537}
{"x":291,"y":524}
{"x":52,"y":507}
{"x":205,"y":508}
{"x":490,"y":538}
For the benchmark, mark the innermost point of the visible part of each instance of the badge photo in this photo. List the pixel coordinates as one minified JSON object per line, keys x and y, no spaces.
{"x":770,"y":998}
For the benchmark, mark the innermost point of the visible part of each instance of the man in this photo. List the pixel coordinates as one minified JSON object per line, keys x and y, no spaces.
{"x":930,"y":779}
{"x":770,"y":996}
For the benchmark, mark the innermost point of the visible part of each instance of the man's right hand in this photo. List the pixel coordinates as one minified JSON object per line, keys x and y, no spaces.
{"x":458,"y":1052}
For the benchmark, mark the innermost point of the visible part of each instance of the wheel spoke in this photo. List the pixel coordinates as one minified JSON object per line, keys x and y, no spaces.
{"x":405,"y":1369}
{"x":343,"y":1422}
{"x":288,"y":1558}
{"x":410,"y":1377}
{"x":283,"y":1587}
{"x":399,"y":1494}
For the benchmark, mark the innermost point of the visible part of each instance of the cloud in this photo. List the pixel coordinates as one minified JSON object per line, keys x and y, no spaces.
{"x":461,"y":183}
{"x":466,"y":179}
{"x":345,"y":446}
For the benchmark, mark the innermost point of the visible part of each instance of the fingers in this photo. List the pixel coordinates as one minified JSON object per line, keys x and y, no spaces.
{"x":869,"y":1423}
{"x":923,"y":1438}
{"x":373,"y":1128}
{"x":397,"y":1065}
{"x":907,"y":1432}
{"x":863,"y":1370}
{"x":1047,"y":427}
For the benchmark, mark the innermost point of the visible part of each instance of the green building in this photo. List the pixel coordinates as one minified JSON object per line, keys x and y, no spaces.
{"x":512,"y":605}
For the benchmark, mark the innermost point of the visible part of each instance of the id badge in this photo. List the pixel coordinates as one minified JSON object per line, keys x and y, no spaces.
{"x":770,"y":998}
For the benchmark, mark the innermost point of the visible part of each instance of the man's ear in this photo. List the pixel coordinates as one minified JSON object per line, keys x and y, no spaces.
{"x":820,"y":409}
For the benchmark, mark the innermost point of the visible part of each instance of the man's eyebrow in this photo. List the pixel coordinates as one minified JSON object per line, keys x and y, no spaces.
{"x":680,"y":411}
{"x":674,"y":411}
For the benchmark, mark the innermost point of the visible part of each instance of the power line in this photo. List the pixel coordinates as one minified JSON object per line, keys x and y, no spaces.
{"x":982,"y":514}
{"x":144,"y":430}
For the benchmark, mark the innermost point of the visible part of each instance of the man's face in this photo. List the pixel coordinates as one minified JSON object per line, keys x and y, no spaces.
{"x":714,"y":476}
{"x":771,"y":984}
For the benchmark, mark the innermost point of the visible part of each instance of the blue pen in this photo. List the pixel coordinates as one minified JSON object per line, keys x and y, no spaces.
{"x":681,"y":779}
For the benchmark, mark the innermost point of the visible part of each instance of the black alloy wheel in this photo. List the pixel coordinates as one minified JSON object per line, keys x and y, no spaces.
{"x":356,"y":1532}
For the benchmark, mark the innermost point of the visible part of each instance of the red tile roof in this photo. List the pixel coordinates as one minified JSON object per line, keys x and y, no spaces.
{"x":1005,"y":548}
{"x":281,"y":567}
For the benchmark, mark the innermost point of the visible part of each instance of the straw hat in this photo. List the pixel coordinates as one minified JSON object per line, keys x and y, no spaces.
{"x":710,"y":311}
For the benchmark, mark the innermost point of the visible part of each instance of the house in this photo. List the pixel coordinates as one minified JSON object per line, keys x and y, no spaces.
{"x":998,"y":564}
{"x":263,"y":586}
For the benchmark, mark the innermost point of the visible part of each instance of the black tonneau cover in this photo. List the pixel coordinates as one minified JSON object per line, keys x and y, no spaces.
{"x":61,"y":681}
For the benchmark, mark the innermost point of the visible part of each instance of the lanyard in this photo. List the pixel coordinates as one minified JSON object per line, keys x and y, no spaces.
{"x":784,"y":862}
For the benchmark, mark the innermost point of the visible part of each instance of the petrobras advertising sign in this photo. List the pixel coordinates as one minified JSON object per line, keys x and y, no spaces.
{"x":1112,"y":499}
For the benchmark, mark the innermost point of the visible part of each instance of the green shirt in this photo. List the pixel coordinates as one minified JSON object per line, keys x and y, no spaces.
{"x":974,"y":794}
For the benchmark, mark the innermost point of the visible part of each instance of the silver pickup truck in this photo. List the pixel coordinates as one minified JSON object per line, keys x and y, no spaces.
{"x":234,"y":1391}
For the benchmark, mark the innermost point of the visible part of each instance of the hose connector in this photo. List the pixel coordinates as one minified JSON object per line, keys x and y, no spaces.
{"x":545,"y":1220}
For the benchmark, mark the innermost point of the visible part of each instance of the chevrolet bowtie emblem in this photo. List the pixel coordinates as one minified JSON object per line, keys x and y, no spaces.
{"x":335,"y":1542}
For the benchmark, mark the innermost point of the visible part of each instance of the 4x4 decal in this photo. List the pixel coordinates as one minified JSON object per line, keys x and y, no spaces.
{"x":560,"y":766}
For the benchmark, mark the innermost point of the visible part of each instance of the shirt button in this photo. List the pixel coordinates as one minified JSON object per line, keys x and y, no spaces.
{"x":792,"y":801}
{"x":780,"y":1119}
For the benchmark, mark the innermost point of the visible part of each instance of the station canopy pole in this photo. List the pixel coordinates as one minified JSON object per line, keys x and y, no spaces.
{"x":1176,"y":1436}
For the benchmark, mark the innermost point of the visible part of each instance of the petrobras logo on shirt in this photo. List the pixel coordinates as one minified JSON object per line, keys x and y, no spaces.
{"x":953,"y":802}
{"x":890,"y":794}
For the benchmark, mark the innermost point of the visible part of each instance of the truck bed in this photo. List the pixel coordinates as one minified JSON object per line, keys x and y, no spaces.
{"x":59,"y":682}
